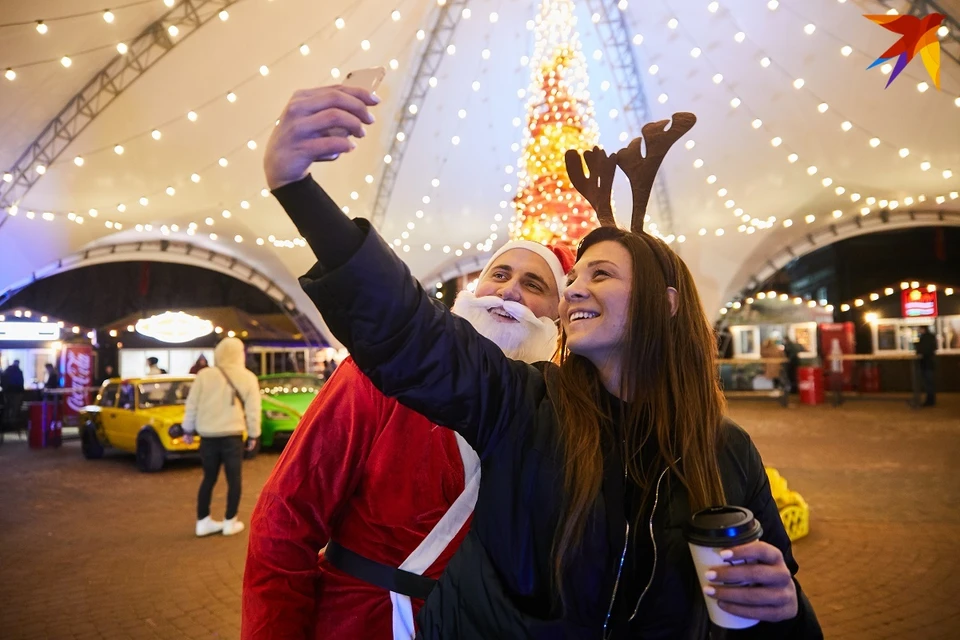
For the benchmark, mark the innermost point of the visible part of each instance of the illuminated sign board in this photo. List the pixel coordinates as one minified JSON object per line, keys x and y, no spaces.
{"x":29,"y":331}
{"x":918,"y":304}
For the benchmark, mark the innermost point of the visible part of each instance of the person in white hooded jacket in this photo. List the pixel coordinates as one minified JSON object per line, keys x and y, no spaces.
{"x":223,"y":400}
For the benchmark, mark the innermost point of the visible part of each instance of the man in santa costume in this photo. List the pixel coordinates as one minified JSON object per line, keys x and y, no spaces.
{"x":370,"y":500}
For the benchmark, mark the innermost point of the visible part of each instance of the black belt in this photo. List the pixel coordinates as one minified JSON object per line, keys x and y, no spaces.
{"x":380,"y":575}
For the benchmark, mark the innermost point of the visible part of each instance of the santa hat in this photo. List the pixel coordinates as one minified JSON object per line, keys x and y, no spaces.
{"x":558,"y":258}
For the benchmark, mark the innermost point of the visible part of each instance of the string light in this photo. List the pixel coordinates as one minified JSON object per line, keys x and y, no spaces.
{"x":251,"y":144}
{"x":663,"y":94}
{"x":846,"y":306}
{"x":798,"y":83}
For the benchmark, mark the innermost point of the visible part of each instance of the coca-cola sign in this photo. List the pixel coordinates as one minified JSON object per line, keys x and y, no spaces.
{"x":76,"y":363}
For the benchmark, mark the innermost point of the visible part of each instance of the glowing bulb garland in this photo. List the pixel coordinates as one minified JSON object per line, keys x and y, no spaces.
{"x":294,"y":243}
{"x":792,"y":157}
{"x":155,"y":133}
{"x":822,"y":106}
{"x":404,"y":241}
{"x":826,"y":305}
{"x":193,"y":114}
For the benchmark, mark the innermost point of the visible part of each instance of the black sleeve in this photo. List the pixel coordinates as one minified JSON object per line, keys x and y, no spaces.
{"x":330,"y":233}
{"x":409,"y":345}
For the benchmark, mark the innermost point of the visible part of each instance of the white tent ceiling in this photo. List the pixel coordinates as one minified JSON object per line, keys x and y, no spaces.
{"x":736,"y":149}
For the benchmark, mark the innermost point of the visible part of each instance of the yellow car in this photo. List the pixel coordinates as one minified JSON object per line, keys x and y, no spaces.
{"x":142,"y":416}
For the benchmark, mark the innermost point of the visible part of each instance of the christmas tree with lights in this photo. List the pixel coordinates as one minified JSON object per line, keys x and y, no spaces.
{"x":560,"y":116}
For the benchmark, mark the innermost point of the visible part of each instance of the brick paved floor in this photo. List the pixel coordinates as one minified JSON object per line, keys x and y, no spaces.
{"x":94,"y":549}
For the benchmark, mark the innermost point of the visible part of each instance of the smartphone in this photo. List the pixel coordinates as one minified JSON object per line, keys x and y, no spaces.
{"x":368,"y":79}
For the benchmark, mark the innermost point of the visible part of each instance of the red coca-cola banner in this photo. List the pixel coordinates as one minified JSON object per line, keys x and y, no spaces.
{"x":76,"y":363}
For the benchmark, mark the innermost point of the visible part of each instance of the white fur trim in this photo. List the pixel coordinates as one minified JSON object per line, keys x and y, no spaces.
{"x":438,"y":539}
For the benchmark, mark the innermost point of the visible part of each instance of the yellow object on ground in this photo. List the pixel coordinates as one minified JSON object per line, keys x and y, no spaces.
{"x":794,"y":511}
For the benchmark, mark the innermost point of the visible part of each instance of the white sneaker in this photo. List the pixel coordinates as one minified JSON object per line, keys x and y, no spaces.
{"x":232,"y":527}
{"x":208,"y":526}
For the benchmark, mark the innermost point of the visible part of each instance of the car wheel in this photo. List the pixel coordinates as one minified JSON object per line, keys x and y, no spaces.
{"x":89,"y":443}
{"x":250,"y":455}
{"x":150,"y":453}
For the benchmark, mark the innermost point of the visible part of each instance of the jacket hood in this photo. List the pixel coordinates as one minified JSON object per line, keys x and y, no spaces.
{"x":229,"y":353}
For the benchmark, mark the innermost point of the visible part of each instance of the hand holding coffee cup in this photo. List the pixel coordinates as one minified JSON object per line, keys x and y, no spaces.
{"x":766,"y":589}
{"x":744,"y":580}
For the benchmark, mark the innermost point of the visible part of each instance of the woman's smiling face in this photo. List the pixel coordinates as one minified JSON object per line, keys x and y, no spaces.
{"x":594,"y":306}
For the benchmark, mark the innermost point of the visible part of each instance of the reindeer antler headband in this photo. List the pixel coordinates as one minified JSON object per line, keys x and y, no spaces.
{"x":641,"y":169}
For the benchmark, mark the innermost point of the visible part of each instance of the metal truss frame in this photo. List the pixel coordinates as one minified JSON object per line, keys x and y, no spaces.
{"x":145,"y":51}
{"x":614,"y":35}
{"x":438,"y":39}
{"x":854,"y":226}
{"x":178,"y":252}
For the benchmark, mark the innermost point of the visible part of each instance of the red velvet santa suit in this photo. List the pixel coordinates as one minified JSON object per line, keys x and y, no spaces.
{"x":349,"y":473}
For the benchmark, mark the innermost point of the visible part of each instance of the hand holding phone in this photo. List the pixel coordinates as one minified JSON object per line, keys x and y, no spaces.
{"x":307,"y":130}
{"x":368,"y":79}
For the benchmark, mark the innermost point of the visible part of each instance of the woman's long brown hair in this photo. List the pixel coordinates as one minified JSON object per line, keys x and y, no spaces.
{"x":669,"y":376}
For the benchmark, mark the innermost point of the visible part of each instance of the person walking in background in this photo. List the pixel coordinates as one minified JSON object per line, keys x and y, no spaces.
{"x":222,"y":401}
{"x":725,"y":352}
{"x":153,"y":367}
{"x":199,"y":365}
{"x":107,"y":374}
{"x":927,"y":350}
{"x":329,"y":366}
{"x":791,"y":351}
{"x":12,"y":378}
{"x":53,"y":377}
{"x":724,"y":342}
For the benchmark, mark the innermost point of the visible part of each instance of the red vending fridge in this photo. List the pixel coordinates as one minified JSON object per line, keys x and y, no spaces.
{"x":837,"y":338}
{"x":76,"y":363}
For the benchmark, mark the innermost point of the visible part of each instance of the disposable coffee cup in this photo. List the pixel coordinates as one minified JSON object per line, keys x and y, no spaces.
{"x":708,"y":533}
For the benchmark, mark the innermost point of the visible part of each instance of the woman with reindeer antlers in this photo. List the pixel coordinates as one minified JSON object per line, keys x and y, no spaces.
{"x":589,"y":468}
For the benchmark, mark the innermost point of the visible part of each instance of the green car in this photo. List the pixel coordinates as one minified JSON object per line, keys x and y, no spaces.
{"x":285,"y":398}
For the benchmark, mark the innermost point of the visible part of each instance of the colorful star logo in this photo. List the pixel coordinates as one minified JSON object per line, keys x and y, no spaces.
{"x":917,"y":36}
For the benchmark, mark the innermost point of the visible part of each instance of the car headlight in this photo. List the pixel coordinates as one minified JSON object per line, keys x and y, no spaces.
{"x":175,"y":431}
{"x":273,"y":414}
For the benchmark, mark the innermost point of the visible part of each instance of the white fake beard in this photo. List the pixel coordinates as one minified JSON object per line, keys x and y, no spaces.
{"x":530,"y":339}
